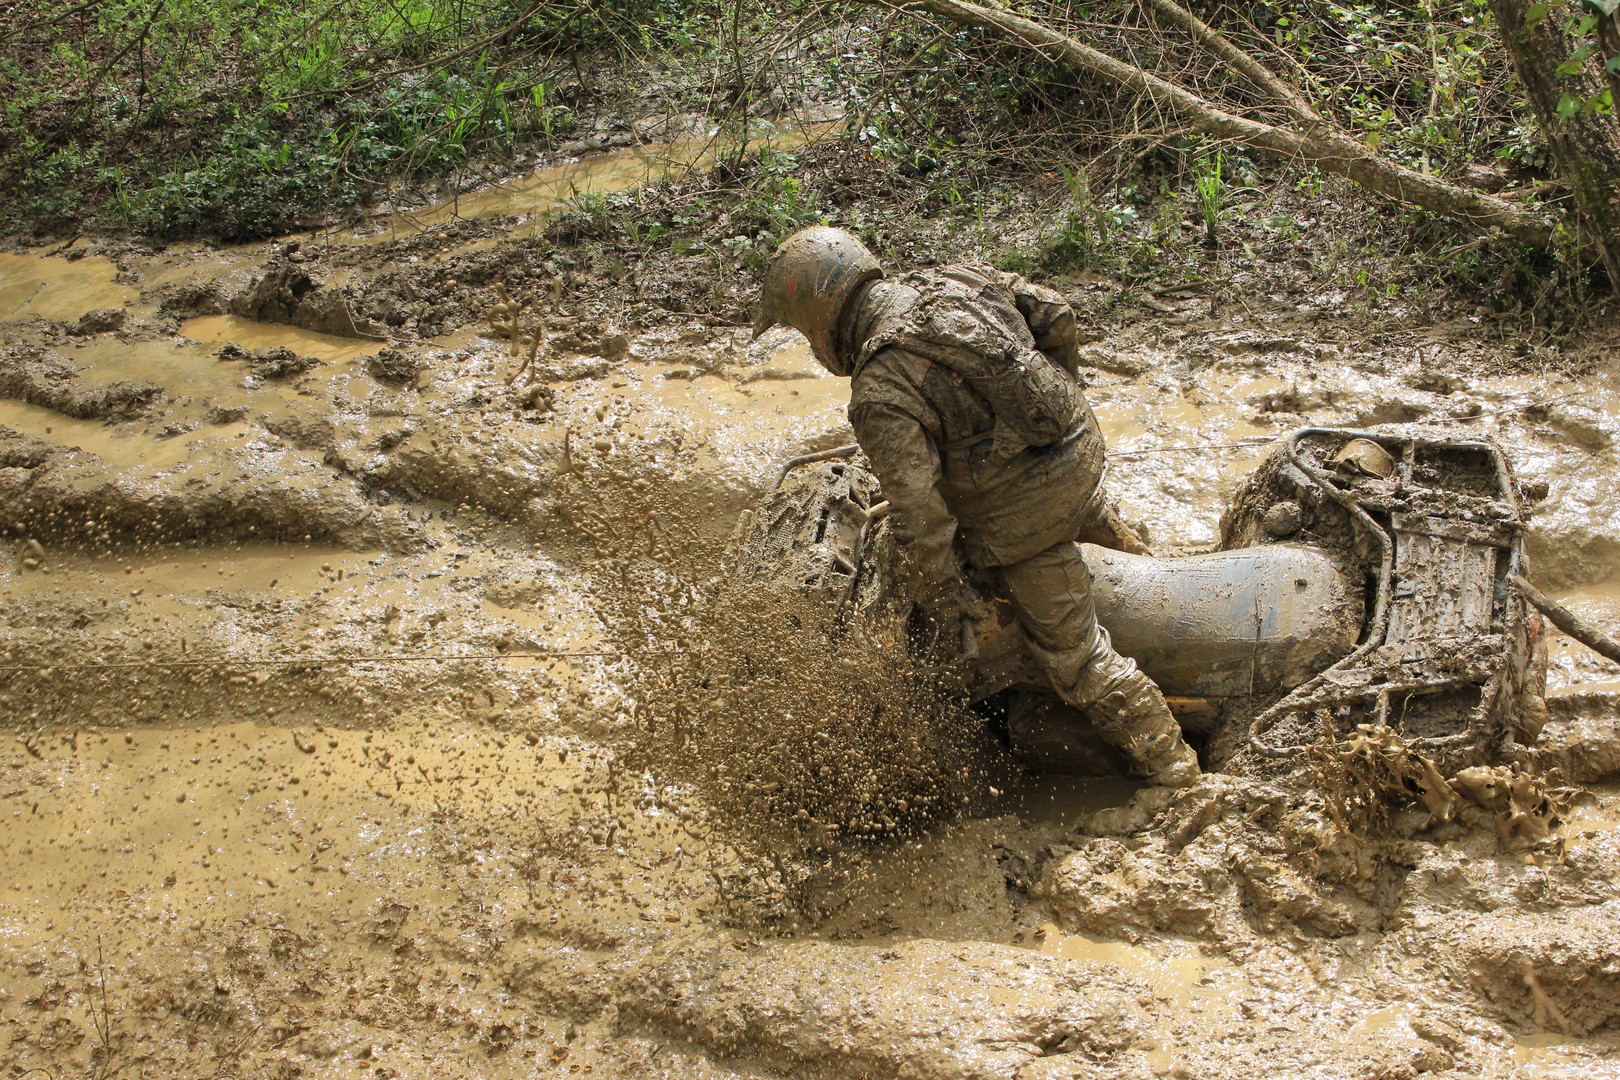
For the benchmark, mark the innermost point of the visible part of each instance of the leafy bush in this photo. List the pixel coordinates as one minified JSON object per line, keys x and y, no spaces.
{"x":239,"y":117}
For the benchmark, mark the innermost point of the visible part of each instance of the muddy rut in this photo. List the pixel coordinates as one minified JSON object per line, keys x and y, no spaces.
{"x":321,"y":731}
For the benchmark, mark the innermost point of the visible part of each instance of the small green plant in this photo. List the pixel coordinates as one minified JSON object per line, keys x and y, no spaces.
{"x":549,"y":119}
{"x":776,"y":203}
{"x":1082,"y":232}
{"x":1311,"y":183}
{"x":1211,"y":185}
{"x":1286,"y":225}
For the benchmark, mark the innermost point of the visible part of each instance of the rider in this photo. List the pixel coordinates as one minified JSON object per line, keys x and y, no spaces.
{"x":966,"y":399}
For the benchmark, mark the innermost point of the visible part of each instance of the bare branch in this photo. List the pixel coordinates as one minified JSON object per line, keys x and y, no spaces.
{"x":1251,"y":69}
{"x":1322,"y":145}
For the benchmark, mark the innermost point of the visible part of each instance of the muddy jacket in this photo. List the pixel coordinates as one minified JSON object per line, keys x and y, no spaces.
{"x":931,"y":437}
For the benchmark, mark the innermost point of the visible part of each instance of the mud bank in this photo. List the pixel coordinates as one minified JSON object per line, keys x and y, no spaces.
{"x":315,"y":744}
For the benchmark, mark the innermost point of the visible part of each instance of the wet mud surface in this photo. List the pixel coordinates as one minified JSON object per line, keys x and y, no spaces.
{"x":316,"y":735}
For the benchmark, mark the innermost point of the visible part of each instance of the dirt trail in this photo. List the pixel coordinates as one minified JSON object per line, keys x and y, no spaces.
{"x":314,"y":761}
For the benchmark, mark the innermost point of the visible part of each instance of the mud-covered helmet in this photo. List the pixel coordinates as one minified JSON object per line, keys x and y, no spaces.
{"x":809,"y":280}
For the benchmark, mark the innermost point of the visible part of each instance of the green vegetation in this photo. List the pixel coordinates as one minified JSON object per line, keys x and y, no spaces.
{"x":1211,"y":188}
{"x":238,"y":117}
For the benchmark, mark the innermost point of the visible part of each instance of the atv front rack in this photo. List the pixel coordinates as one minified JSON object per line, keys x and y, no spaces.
{"x":1450,"y":651}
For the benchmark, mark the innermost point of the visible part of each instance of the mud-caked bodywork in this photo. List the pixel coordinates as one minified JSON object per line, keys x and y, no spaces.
{"x":1361,"y":579}
{"x":1450,"y":653}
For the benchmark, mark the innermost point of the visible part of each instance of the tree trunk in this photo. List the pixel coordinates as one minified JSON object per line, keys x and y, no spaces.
{"x":1586,"y":146}
{"x":1311,"y":140}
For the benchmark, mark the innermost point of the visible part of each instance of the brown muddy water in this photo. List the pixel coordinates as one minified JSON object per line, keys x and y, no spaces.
{"x":533,"y":195}
{"x":314,"y":756}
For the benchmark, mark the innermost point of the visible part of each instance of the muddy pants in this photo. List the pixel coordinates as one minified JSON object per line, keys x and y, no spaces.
{"x":1051,"y":594}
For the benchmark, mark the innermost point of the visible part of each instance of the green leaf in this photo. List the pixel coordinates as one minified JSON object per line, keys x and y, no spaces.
{"x":1568,"y":106}
{"x":1602,"y":7}
{"x":1573,"y":65}
{"x":1613,"y":65}
{"x":1536,"y":14}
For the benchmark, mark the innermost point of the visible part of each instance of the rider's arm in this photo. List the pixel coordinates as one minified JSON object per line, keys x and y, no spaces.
{"x":1050,"y":319}
{"x":907,"y":465}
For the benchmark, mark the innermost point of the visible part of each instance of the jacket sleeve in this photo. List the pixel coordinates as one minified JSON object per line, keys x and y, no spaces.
{"x":1050,"y":319}
{"x":907,"y":465}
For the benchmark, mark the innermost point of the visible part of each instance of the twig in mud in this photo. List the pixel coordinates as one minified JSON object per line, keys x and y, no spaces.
{"x":1567,"y":621}
{"x":1245,"y":444}
{"x":101,"y":1020}
{"x":1545,"y":1007}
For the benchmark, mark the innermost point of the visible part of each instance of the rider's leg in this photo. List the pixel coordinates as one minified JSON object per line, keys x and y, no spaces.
{"x":1051,"y":593}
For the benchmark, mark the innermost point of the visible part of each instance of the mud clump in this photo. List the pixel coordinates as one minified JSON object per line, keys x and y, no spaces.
{"x":280,"y":362}
{"x":220,"y":414}
{"x":306,"y":430}
{"x":1225,"y":860}
{"x":276,"y":362}
{"x":288,"y":294}
{"x":193,"y":299}
{"x":42,"y":376}
{"x":101,"y":321}
{"x":1583,"y":740}
{"x":394,"y":366}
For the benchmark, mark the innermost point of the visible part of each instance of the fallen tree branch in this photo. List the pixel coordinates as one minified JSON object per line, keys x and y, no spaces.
{"x":1258,"y":75}
{"x":1567,"y":621}
{"x":1320,"y":143}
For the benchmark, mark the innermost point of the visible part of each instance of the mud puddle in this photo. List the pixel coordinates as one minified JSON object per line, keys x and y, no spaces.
{"x":543,"y":191}
{"x":1171,"y":446}
{"x":33,"y":286}
{"x":313,"y":849}
{"x":219,"y":329}
{"x":126,"y":448}
{"x":735,"y":414}
{"x":1571,"y":664}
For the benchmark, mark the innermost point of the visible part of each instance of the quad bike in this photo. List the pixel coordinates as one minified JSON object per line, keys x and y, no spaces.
{"x":1361,"y":578}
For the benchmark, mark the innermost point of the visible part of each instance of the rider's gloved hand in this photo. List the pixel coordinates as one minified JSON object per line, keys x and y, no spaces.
{"x":949,"y":636}
{"x":937,"y":632}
